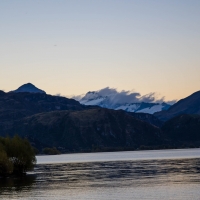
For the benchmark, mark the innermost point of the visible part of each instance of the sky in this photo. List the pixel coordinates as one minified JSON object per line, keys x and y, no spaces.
{"x":74,"y":46}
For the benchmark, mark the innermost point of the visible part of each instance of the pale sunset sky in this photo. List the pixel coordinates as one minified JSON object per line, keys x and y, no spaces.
{"x":75,"y":46}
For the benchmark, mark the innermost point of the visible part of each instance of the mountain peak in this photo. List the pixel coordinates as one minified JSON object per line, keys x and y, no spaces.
{"x":29,"y":87}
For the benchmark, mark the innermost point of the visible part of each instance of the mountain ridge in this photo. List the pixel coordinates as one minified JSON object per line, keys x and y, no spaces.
{"x":187,"y":105}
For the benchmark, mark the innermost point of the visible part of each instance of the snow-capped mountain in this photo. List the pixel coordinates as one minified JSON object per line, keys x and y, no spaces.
{"x":28,"y":87}
{"x":108,"y":101}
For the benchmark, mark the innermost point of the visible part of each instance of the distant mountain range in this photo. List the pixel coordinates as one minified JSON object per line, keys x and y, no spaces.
{"x":93,"y":98}
{"x":54,"y":121}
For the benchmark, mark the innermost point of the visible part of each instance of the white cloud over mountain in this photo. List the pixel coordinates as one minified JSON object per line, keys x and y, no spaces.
{"x":126,"y":100}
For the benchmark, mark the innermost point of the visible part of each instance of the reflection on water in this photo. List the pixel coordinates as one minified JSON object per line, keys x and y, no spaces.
{"x":13,"y":184}
{"x":149,"y":179}
{"x":120,"y":173}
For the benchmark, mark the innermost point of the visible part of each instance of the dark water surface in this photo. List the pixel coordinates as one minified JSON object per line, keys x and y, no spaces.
{"x":174,"y":179}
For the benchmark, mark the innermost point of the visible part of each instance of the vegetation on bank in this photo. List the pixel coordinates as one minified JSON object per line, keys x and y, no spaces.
{"x":51,"y":151}
{"x":141,"y":147}
{"x":16,"y":156}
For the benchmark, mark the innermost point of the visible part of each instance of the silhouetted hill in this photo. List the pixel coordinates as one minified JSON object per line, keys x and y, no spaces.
{"x":188,"y":105}
{"x":87,"y":129}
{"x":29,"y":87}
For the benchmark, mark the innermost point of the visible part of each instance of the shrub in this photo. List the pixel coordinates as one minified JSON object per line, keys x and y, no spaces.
{"x":51,"y":151}
{"x":6,"y":166}
{"x":17,"y":154}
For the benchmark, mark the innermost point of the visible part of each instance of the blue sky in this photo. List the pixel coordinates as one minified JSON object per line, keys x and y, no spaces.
{"x":71,"y":47}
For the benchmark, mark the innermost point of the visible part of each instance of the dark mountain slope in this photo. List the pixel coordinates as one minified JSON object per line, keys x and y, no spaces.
{"x":14,"y":106}
{"x":83,"y":130}
{"x":188,"y":105}
{"x":149,"y":118}
{"x":183,"y":128}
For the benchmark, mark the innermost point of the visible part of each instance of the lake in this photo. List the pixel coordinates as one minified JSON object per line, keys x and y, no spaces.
{"x":160,"y":174}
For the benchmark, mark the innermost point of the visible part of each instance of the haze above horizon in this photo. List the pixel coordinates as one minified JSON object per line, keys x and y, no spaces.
{"x":72,"y":47}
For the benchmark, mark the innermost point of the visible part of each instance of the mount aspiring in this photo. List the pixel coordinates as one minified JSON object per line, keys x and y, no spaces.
{"x":122,"y":101}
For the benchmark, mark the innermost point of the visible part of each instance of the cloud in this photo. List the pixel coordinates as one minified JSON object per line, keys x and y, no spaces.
{"x":152,"y":98}
{"x":127,"y":96}
{"x":113,"y":96}
{"x":171,"y":102}
{"x":76,"y":97}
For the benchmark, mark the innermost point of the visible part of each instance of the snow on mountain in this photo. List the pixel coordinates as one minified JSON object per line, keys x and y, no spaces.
{"x":92,"y":102}
{"x":110,"y":101}
{"x":28,"y":87}
{"x":151,"y":110}
{"x":144,"y":107}
{"x":129,"y":107}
